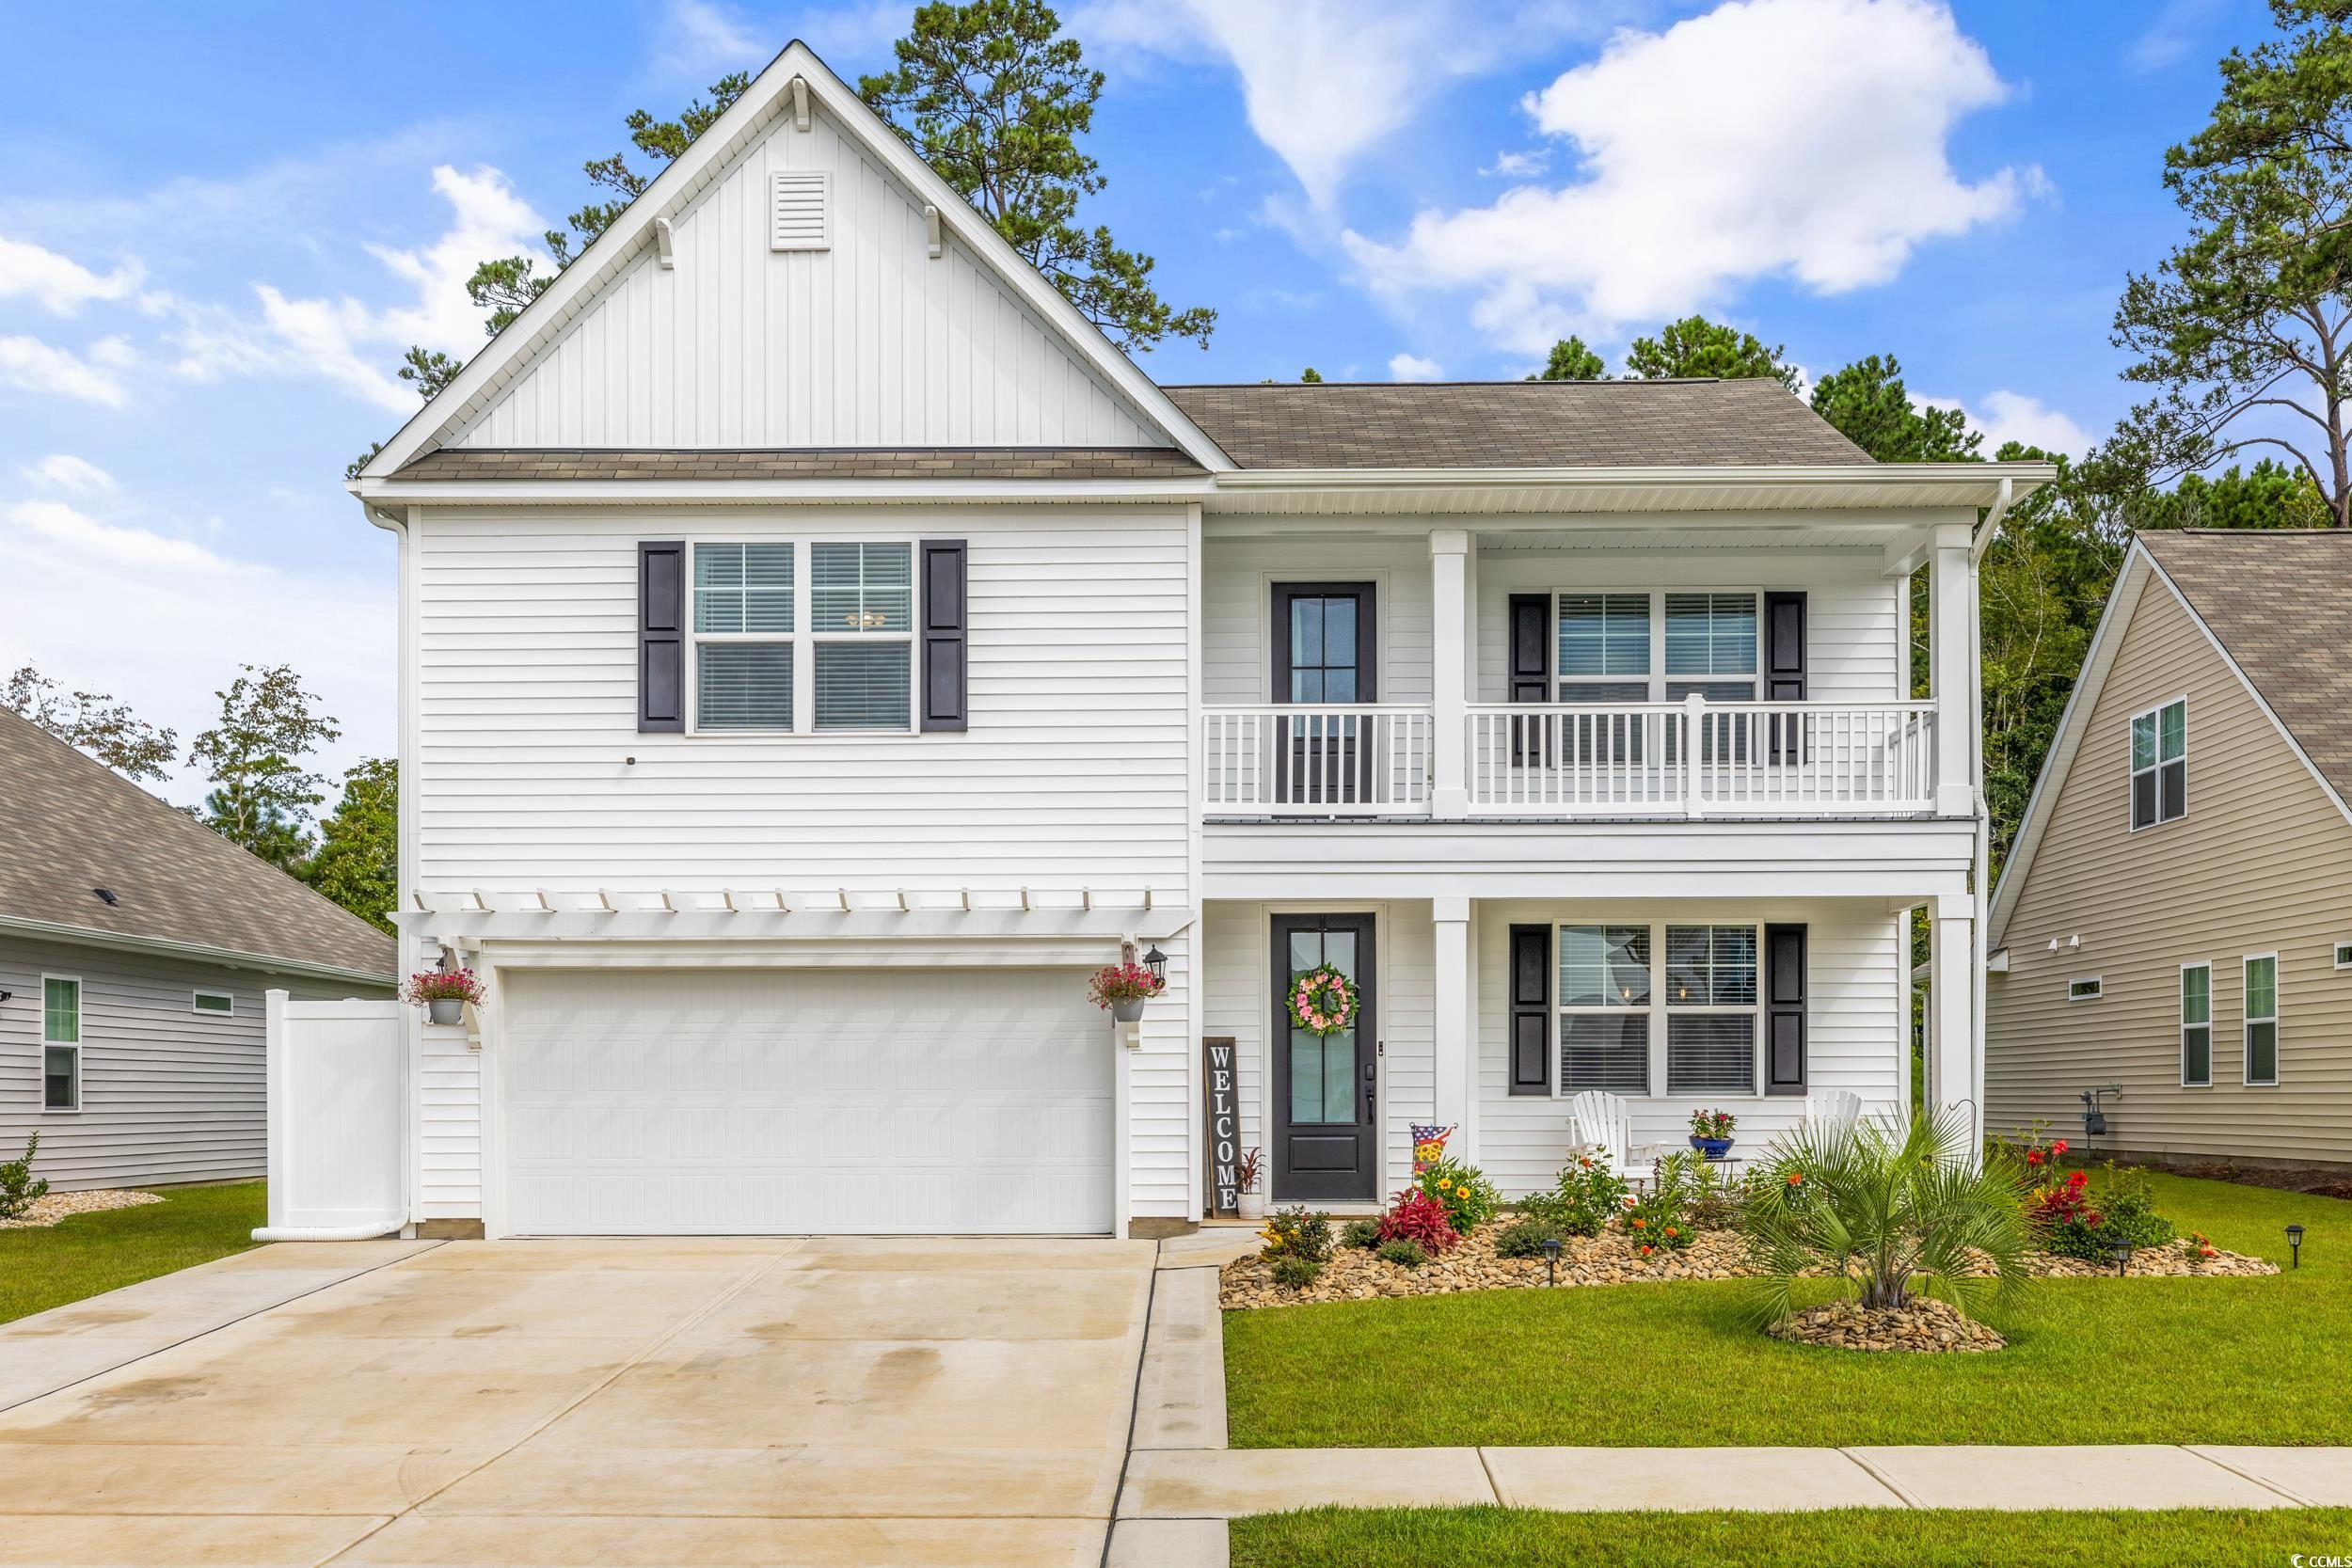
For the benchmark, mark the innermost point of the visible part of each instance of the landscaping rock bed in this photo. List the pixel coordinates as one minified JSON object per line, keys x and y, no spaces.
{"x":58,"y":1206}
{"x":1926,"y":1324}
{"x":1616,"y":1259}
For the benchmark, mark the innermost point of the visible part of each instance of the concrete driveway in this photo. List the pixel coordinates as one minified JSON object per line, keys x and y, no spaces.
{"x":819,"y":1402}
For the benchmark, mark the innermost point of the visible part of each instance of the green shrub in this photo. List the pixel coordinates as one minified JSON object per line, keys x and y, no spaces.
{"x":1469,"y":1199}
{"x":1364,"y":1233}
{"x":2075,"y":1218}
{"x":1407,"y":1253}
{"x":1524,"y":1238}
{"x":1586,"y":1197}
{"x":1298,"y":1233}
{"x":19,"y":1192}
{"x":1295,"y":1272}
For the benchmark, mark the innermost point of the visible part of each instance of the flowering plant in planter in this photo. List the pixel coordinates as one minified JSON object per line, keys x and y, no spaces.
{"x":1712,"y":1124}
{"x":1321,"y":1001}
{"x":1124,"y":988}
{"x":436,"y":985}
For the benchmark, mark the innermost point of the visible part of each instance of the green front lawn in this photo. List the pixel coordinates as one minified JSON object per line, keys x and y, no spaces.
{"x":2258,"y":1360}
{"x":90,"y":1253}
{"x":1843,"y":1538}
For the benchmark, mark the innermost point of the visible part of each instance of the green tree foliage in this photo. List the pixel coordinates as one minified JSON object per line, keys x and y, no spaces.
{"x":262,"y":792}
{"x":1869,"y":403}
{"x":1571,"y":360}
{"x":1695,"y":346}
{"x":994,"y":98}
{"x":358,"y":863}
{"x":2245,"y":330}
{"x":93,"y":722}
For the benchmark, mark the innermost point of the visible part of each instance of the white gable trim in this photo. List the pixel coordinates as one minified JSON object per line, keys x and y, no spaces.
{"x":2139,"y":566}
{"x":770,"y":95}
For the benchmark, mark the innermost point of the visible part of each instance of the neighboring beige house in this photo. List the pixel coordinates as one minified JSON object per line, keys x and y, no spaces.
{"x":2175,"y":920}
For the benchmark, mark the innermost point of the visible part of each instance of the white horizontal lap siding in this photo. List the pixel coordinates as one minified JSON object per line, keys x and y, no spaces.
{"x":1856,"y":634}
{"x":1162,"y":1085}
{"x":1856,"y":966}
{"x":168,"y":1094}
{"x":449,"y":1121}
{"x":1072,"y":773}
{"x":867,"y":342}
{"x":1237,"y":583}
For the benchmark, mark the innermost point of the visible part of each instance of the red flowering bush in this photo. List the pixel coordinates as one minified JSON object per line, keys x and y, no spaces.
{"x":434,"y":985}
{"x":1123,"y":982}
{"x":1415,"y":1216}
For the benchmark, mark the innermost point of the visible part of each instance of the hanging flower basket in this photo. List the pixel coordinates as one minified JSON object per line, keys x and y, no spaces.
{"x":1125,"y":989}
{"x":443,"y":994}
{"x":1321,"y":1001}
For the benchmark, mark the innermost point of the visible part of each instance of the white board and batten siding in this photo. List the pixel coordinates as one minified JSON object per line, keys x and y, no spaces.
{"x":866,"y":341}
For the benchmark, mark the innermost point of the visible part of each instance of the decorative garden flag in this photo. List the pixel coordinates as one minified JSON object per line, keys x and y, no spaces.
{"x":1428,"y":1146}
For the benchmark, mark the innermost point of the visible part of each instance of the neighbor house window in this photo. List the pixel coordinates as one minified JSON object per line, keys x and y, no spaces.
{"x":2343,"y":955}
{"x":1710,"y":1009}
{"x":793,"y":639}
{"x":1604,"y":1008}
{"x":2159,"y":765}
{"x":215,"y":1002}
{"x":2085,"y":990}
{"x":2196,"y":1025}
{"x":60,"y":1044}
{"x":2261,"y":1019}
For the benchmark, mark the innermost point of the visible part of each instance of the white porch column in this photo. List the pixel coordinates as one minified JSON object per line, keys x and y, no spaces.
{"x":1449,"y":634}
{"x":1451,"y":992}
{"x":1951,"y":680}
{"x":1955,"y":1054}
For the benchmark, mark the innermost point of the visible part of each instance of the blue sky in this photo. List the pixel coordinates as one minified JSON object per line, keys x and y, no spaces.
{"x":222,"y":223}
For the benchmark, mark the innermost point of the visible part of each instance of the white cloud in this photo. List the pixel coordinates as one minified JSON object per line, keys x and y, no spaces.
{"x":2005,"y":416}
{"x":44,"y":367}
{"x":119,"y":544}
{"x":62,"y":470}
{"x":1519,"y":165}
{"x":58,"y":283}
{"x":1805,"y":138}
{"x":1412,"y":366}
{"x":703,"y":39}
{"x":354,"y":344}
{"x":2171,"y":35}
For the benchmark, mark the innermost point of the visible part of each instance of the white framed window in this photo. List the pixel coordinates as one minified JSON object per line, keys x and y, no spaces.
{"x":2197,"y":1026}
{"x":1659,"y":1004}
{"x":2089,"y":988}
{"x":2343,"y":955}
{"x":219,"y":1003}
{"x":2160,"y":764}
{"x":2261,"y":1020}
{"x":1658,"y":646}
{"x":804,"y":637}
{"x":61,"y":1042}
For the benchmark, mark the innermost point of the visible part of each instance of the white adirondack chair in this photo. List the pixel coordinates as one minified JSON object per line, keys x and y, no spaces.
{"x":1831,"y":1113}
{"x":1604,"y":1121}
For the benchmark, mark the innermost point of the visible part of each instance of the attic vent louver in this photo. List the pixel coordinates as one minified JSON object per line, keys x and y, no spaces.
{"x":800,"y":201}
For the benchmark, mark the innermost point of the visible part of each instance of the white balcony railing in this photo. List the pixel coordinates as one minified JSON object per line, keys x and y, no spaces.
{"x":1752,"y":759}
{"x":1355,"y":759}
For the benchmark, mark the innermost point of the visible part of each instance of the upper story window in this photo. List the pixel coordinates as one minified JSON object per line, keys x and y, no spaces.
{"x":1648,"y":647}
{"x":60,"y":1043}
{"x":2161,"y":765}
{"x":802,"y":638}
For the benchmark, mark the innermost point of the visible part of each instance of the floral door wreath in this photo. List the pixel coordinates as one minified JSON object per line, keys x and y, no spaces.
{"x":1321,"y":1001}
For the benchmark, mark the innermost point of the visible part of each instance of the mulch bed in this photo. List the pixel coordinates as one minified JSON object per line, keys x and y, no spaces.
{"x":2314,"y":1180}
{"x":1613,"y":1257}
{"x":59,"y":1206}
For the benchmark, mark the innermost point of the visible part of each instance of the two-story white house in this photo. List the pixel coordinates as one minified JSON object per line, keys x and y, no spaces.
{"x":820,"y":649}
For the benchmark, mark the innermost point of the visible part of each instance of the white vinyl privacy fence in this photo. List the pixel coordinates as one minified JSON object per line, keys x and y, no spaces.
{"x":338,"y":1119}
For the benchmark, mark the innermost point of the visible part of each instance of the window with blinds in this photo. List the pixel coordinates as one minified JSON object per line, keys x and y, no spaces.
{"x":1604,"y":1000}
{"x":1710,"y":1009}
{"x":743,"y":686}
{"x":803,"y":638}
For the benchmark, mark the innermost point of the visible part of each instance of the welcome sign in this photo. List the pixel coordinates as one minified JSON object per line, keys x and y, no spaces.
{"x":1224,"y":1126}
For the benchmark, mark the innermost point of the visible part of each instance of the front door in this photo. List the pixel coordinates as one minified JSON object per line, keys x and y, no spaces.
{"x":1323,"y":659}
{"x":1325,"y":1087}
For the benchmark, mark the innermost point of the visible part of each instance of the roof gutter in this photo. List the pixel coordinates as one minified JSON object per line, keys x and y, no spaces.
{"x":164,"y":947}
{"x":1998,"y":481}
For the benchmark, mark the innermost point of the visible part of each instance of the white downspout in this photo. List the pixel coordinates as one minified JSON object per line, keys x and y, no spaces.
{"x":1983,"y":868}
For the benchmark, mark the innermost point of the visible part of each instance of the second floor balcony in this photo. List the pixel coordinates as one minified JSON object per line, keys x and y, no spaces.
{"x":1692,"y":758}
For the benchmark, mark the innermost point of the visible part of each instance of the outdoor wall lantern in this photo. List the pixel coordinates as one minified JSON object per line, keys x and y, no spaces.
{"x":1156,"y":961}
{"x":1552,"y":1261}
{"x":2295,"y":1244}
{"x":2123,"y":1251}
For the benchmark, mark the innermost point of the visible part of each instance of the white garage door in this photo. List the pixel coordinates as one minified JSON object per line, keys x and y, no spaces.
{"x":732,"y":1101}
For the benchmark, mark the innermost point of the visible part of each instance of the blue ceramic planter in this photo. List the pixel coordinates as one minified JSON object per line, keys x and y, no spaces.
{"x":1714,"y":1149}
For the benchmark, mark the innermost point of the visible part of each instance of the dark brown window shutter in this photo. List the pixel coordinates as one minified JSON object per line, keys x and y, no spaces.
{"x":947,"y":677}
{"x":1530,"y":1009}
{"x":1784,"y":667}
{"x":1784,"y":1009}
{"x":661,"y":637}
{"x":1531,"y":671}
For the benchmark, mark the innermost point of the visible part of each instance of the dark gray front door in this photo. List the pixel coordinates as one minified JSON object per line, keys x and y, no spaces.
{"x":1325,"y":1087}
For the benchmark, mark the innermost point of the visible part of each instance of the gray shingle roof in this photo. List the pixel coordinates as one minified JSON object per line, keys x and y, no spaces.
{"x":1033,"y":462}
{"x":2280,"y":601}
{"x":1513,"y":424}
{"x":71,"y":825}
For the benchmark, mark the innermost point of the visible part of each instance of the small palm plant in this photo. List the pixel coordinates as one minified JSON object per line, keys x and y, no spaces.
{"x":1887,"y":1214}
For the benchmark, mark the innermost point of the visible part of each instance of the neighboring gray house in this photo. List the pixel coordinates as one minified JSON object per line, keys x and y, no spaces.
{"x":134,"y":947}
